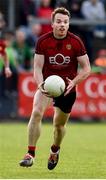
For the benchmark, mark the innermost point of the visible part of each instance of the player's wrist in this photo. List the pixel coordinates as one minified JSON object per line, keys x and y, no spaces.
{"x":7,"y":67}
{"x":73,"y":83}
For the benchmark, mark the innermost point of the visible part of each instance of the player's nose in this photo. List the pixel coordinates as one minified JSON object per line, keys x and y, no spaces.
{"x":62,"y":24}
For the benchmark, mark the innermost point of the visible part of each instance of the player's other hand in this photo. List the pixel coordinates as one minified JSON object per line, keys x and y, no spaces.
{"x":41,"y":88}
{"x":8,"y":72}
{"x":70,"y":85}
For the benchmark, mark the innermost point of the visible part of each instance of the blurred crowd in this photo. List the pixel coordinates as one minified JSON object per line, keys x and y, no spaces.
{"x":20,"y":44}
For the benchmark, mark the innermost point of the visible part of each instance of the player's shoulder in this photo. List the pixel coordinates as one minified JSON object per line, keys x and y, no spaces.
{"x":75,"y":37}
{"x":45,"y":36}
{"x":2,"y":42}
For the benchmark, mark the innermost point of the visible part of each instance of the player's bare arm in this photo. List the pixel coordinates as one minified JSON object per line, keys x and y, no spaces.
{"x":38,"y":66}
{"x":8,"y":72}
{"x":83,"y":73}
{"x":38,"y":76}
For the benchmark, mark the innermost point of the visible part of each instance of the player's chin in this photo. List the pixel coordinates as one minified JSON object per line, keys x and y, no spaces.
{"x":62,"y":33}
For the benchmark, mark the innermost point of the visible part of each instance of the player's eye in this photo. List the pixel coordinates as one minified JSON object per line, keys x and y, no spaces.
{"x":65,"y":22}
{"x":58,"y":21}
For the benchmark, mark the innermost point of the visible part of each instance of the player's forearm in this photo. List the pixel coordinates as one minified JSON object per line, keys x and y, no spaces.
{"x":38,"y":76}
{"x":38,"y":66}
{"x":6,"y":61}
{"x":81,"y":76}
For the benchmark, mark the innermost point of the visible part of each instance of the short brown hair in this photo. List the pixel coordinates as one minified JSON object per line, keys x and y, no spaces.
{"x":60,"y":10}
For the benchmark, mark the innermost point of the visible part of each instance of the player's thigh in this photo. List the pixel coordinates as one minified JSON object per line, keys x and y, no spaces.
{"x":40,"y":102}
{"x":60,"y":118}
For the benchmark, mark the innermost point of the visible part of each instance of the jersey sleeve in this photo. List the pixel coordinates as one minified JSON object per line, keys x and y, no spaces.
{"x":2,"y":48}
{"x":39,"y":47}
{"x":80,"y":48}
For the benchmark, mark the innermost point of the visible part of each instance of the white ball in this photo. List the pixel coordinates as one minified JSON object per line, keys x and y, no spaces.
{"x":54,"y":85}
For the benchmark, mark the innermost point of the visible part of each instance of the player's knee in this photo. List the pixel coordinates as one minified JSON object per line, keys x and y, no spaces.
{"x":37,"y":114}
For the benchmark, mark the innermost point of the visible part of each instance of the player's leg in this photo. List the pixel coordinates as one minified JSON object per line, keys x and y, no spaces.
{"x":59,"y":121}
{"x":63,"y":105}
{"x":34,"y":127}
{"x":40,"y":103}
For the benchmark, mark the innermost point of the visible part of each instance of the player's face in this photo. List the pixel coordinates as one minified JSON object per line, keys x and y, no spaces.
{"x":60,"y":25}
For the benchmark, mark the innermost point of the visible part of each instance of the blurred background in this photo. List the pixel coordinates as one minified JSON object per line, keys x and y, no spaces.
{"x":22,"y":22}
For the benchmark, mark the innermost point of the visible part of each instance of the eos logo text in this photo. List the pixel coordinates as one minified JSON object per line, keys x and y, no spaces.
{"x":59,"y":59}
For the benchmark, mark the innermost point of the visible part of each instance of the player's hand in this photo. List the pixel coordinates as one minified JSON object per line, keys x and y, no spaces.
{"x":69,"y":86}
{"x":8,"y":72}
{"x":41,"y":88}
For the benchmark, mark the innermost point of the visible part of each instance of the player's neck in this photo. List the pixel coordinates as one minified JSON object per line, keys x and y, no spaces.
{"x":59,"y":37}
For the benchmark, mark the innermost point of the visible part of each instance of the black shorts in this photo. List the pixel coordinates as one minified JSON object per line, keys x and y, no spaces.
{"x":65,"y":103}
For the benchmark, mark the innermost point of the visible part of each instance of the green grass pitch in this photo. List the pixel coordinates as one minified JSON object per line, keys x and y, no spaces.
{"x":83,"y":152}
